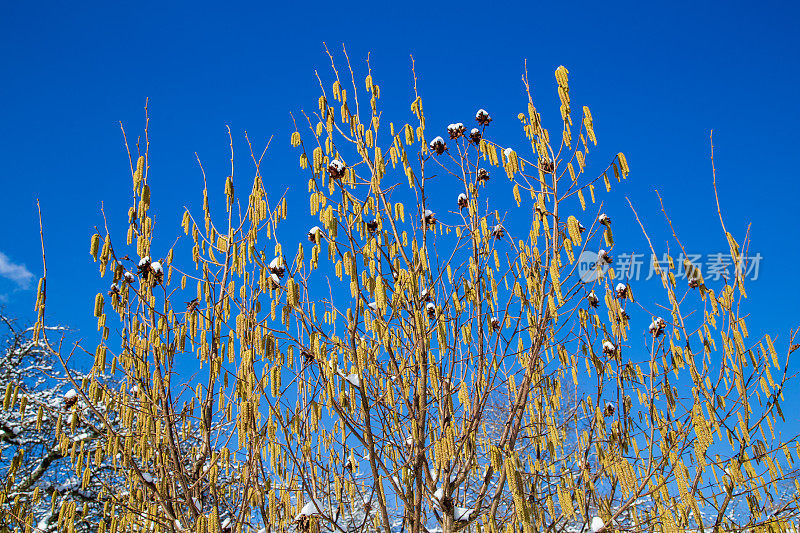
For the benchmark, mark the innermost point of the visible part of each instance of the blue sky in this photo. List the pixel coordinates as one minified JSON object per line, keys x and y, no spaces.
{"x":658,"y":77}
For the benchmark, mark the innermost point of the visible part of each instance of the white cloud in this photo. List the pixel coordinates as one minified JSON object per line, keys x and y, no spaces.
{"x":16,"y":273}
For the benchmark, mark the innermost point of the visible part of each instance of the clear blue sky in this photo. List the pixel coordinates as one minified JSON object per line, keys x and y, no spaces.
{"x":657,"y":76}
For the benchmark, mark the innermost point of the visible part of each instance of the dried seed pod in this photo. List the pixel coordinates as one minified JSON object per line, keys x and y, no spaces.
{"x":144,"y":265}
{"x":621,"y":290}
{"x":483,"y":117}
{"x":593,"y":300}
{"x":157,"y":271}
{"x":438,"y":145}
{"x":462,"y":201}
{"x":609,"y":348}
{"x":495,"y":323}
{"x":277,"y":268}
{"x":372,"y":226}
{"x":604,"y":219}
{"x":546,"y":164}
{"x":336,"y":169}
{"x":70,"y":398}
{"x":475,"y":135}
{"x":429,"y":217}
{"x":604,"y":256}
{"x":657,"y":326}
{"x":314,"y":234}
{"x":609,"y":409}
{"x":483,"y":175}
{"x":430,"y":308}
{"x":498,"y":231}
{"x":456,"y":130}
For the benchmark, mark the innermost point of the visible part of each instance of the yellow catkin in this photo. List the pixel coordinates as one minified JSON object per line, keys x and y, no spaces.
{"x":623,"y":164}
{"x":514,"y":483}
{"x":573,"y":226}
{"x":568,"y":249}
{"x":95,"y":246}
{"x":98,"y":304}
{"x":8,"y":395}
{"x":587,"y":122}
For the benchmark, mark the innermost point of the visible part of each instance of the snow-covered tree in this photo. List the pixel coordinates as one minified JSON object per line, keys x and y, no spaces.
{"x":48,"y":441}
{"x":62,"y":452}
